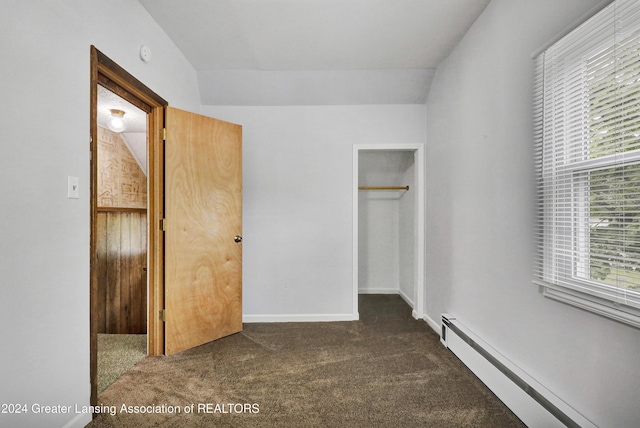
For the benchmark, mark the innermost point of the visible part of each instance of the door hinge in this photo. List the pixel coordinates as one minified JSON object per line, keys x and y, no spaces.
{"x":163,"y":224}
{"x":163,"y":315}
{"x":164,"y":134}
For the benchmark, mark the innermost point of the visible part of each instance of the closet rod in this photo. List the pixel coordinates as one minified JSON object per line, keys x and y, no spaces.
{"x":383,"y":188}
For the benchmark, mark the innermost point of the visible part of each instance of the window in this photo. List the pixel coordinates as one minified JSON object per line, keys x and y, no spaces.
{"x":587,"y":142}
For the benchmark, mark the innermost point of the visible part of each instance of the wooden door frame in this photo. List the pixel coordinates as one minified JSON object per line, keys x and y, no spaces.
{"x":107,"y":73}
{"x":420,"y":245}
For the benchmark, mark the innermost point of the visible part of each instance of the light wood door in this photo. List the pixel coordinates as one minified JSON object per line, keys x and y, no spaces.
{"x":203,"y":211}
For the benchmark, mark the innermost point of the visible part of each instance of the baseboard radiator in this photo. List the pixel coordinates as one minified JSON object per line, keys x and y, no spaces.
{"x":534,"y":404}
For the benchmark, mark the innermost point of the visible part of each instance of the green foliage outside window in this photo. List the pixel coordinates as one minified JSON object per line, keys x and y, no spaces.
{"x":614,"y":197}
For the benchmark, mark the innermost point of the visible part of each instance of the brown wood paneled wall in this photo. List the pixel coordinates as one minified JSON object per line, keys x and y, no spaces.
{"x":122,"y":277}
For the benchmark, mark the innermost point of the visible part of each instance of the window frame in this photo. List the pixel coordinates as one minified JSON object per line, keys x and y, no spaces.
{"x":562,"y":257}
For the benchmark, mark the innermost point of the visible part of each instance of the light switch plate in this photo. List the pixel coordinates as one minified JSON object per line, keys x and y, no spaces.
{"x":73,"y":188}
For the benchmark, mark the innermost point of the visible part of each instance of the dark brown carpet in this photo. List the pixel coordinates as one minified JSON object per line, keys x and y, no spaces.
{"x":386,"y":370}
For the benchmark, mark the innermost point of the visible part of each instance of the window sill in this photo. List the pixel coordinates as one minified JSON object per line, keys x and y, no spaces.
{"x":617,"y":311}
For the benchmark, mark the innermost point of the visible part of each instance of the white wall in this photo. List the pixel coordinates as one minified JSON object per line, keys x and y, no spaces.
{"x":480,"y":213}
{"x":378,"y":242}
{"x":297,"y":225}
{"x":44,"y":237}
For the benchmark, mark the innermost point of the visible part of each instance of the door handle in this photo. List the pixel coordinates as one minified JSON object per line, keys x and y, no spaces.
{"x":237,"y":238}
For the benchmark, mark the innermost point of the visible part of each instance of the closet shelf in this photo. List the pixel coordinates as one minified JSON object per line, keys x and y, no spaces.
{"x":383,"y":188}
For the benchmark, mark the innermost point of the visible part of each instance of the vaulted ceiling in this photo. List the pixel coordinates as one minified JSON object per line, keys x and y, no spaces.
{"x":305,"y":52}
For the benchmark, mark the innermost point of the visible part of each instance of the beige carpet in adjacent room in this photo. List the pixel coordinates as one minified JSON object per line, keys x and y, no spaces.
{"x":117,"y":353}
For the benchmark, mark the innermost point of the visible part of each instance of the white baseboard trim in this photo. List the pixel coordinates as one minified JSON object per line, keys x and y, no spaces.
{"x":378,"y":291}
{"x":434,"y":325}
{"x":79,"y":421}
{"x":407,"y":299}
{"x":299,"y":318}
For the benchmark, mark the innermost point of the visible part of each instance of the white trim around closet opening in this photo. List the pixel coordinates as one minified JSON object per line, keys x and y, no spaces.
{"x":419,"y":186}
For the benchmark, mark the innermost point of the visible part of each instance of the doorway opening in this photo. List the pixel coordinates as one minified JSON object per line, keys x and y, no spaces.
{"x":194,"y":220}
{"x":388,"y":218}
{"x":107,"y":80}
{"x":121,"y":236}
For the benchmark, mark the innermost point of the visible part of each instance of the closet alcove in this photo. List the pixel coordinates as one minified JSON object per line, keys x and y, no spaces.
{"x":387,"y":223}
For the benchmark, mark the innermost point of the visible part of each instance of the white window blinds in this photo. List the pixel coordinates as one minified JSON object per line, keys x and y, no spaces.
{"x":587,"y":151}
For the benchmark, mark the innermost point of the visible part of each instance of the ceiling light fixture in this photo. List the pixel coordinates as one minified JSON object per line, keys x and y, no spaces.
{"x":116,"y":121}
